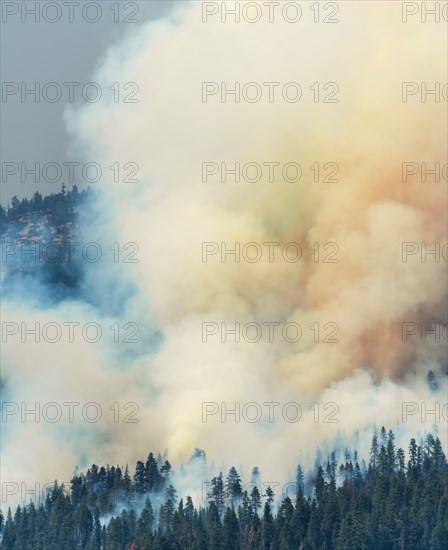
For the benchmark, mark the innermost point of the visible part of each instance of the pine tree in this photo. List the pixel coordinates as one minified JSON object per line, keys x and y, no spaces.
{"x":9,"y":534}
{"x":166,"y":471}
{"x":214,"y":538}
{"x":152,"y":475}
{"x":217,"y":493}
{"x":270,"y":495}
{"x":374,"y":449}
{"x":319,"y":485}
{"x":300,"y":519}
{"x":233,"y":488}
{"x":439,"y":536}
{"x":145,"y":523}
{"x":166,"y":515}
{"x":300,"y":488}
{"x":284,"y":535}
{"x":95,"y":539}
{"x":255,"y":500}
{"x":267,"y":533}
{"x":390,"y":453}
{"x":140,"y":477}
{"x":230,"y":530}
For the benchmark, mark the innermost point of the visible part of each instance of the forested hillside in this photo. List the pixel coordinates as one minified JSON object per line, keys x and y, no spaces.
{"x":39,"y":236}
{"x":398,"y":500}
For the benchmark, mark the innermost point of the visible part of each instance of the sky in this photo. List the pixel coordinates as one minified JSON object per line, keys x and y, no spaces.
{"x":53,"y":52}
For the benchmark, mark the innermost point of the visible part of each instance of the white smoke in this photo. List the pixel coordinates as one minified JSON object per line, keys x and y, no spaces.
{"x":367,"y":375}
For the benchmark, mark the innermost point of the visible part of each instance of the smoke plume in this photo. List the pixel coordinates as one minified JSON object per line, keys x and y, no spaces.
{"x":366,"y":211}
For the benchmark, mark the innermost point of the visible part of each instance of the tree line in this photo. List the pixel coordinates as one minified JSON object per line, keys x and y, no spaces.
{"x":60,"y":205}
{"x":397,"y":500}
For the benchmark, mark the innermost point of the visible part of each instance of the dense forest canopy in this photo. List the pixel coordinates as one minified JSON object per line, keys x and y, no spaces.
{"x":398,"y":500}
